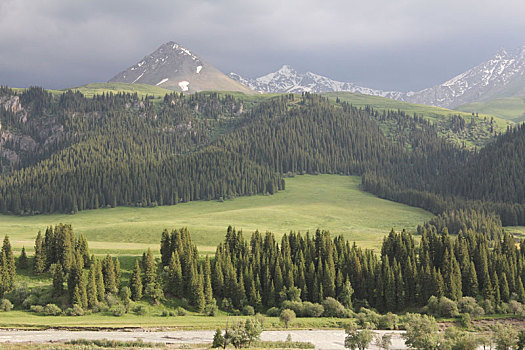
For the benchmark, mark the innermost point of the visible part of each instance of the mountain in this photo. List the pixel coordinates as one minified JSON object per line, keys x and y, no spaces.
{"x":288,"y":80}
{"x":176,"y":68}
{"x":501,"y":76}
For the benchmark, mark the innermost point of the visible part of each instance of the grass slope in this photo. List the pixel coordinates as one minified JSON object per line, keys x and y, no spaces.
{"x":309,"y":202}
{"x":511,"y":108}
{"x":477,"y":137}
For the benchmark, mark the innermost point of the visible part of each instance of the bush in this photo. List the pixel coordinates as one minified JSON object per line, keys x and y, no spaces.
{"x":388,"y":321}
{"x":6,"y":305}
{"x":273,"y":312}
{"x":443,"y":307}
{"x":312,"y":310}
{"x":19,"y":294}
{"x":167,"y":313}
{"x":368,"y":318}
{"x":248,"y":310}
{"x":180,"y":311}
{"x":118,"y":310}
{"x":487,"y":306}
{"x":296,"y":306}
{"x":31,"y":300}
{"x":76,"y":310}
{"x":100,"y":307}
{"x":38,"y":309}
{"x":515,"y":307}
{"x":52,"y":310}
{"x":140,"y":310}
{"x":468,"y":305}
{"x":333,"y":308}
{"x":211,"y":309}
{"x":465,"y":321}
{"x":287,"y":316}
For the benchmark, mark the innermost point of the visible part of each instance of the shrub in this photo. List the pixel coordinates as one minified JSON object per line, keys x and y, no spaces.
{"x":443,"y":307}
{"x":167,"y":313}
{"x":118,"y":310}
{"x":296,"y":306}
{"x":465,"y":321}
{"x":468,"y":305}
{"x":388,"y":321}
{"x":6,"y":305}
{"x":19,"y":294}
{"x":287,"y":316}
{"x":211,"y":308}
{"x":180,"y":311}
{"x":248,"y":310}
{"x":76,"y":310}
{"x":333,"y":308}
{"x":36,"y":309}
{"x":100,"y":307}
{"x":140,"y":310}
{"x":516,"y":307}
{"x":31,"y":300}
{"x":273,"y":312}
{"x":312,"y":310}
{"x":52,"y":310}
{"x":368,"y":318}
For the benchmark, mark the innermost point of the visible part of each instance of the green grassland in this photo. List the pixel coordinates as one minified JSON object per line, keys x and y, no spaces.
{"x":330,"y":202}
{"x":152,"y":319}
{"x":511,"y":108}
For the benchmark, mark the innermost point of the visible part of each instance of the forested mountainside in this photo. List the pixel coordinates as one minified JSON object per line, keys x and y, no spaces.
{"x":122,"y":150}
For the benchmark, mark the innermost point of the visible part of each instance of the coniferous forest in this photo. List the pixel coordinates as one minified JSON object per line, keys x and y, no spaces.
{"x":314,"y":274}
{"x":68,"y":153}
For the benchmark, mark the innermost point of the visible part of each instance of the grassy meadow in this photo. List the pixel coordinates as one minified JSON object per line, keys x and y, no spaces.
{"x":511,"y":108}
{"x":329,"y":202}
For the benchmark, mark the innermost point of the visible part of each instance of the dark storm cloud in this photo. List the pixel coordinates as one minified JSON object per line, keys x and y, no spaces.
{"x":404,"y":44}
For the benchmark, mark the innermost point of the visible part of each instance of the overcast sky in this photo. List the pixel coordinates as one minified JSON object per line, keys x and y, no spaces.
{"x":387,"y":44}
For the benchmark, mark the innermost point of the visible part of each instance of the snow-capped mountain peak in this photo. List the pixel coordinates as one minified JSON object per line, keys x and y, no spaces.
{"x":502,"y":75}
{"x":287,"y":79}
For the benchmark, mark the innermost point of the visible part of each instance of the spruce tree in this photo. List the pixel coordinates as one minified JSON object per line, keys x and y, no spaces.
{"x":208,"y":291}
{"x":22,"y":260}
{"x":99,"y":277}
{"x":40,"y":260}
{"x":135,"y":282}
{"x":108,"y":271}
{"x":150,"y":269}
{"x":58,"y":280}
{"x":92,"y":294}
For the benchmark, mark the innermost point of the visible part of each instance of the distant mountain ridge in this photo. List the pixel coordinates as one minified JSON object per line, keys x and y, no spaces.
{"x":174,"y":67}
{"x":503,"y":75}
{"x":288,"y":80}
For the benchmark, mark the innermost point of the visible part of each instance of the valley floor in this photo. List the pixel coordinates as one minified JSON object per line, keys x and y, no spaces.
{"x":329,"y":202}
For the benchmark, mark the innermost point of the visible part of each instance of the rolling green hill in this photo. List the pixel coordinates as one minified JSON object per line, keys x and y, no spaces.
{"x":329,"y":202}
{"x":477,"y":132}
{"x":510,"y":108}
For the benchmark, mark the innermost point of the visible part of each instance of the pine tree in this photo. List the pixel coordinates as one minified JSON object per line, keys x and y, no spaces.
{"x":40,"y":260}
{"x":9,"y":266}
{"x":92,"y":294}
{"x":346,"y":294}
{"x":208,"y":291}
{"x":58,"y":280}
{"x":118,"y":274}
{"x":99,"y":277}
{"x":22,"y":260}
{"x":135,"y":282}
{"x":108,"y":271}
{"x":150,"y":269}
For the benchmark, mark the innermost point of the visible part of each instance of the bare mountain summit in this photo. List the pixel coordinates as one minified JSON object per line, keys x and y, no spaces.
{"x":176,"y":68}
